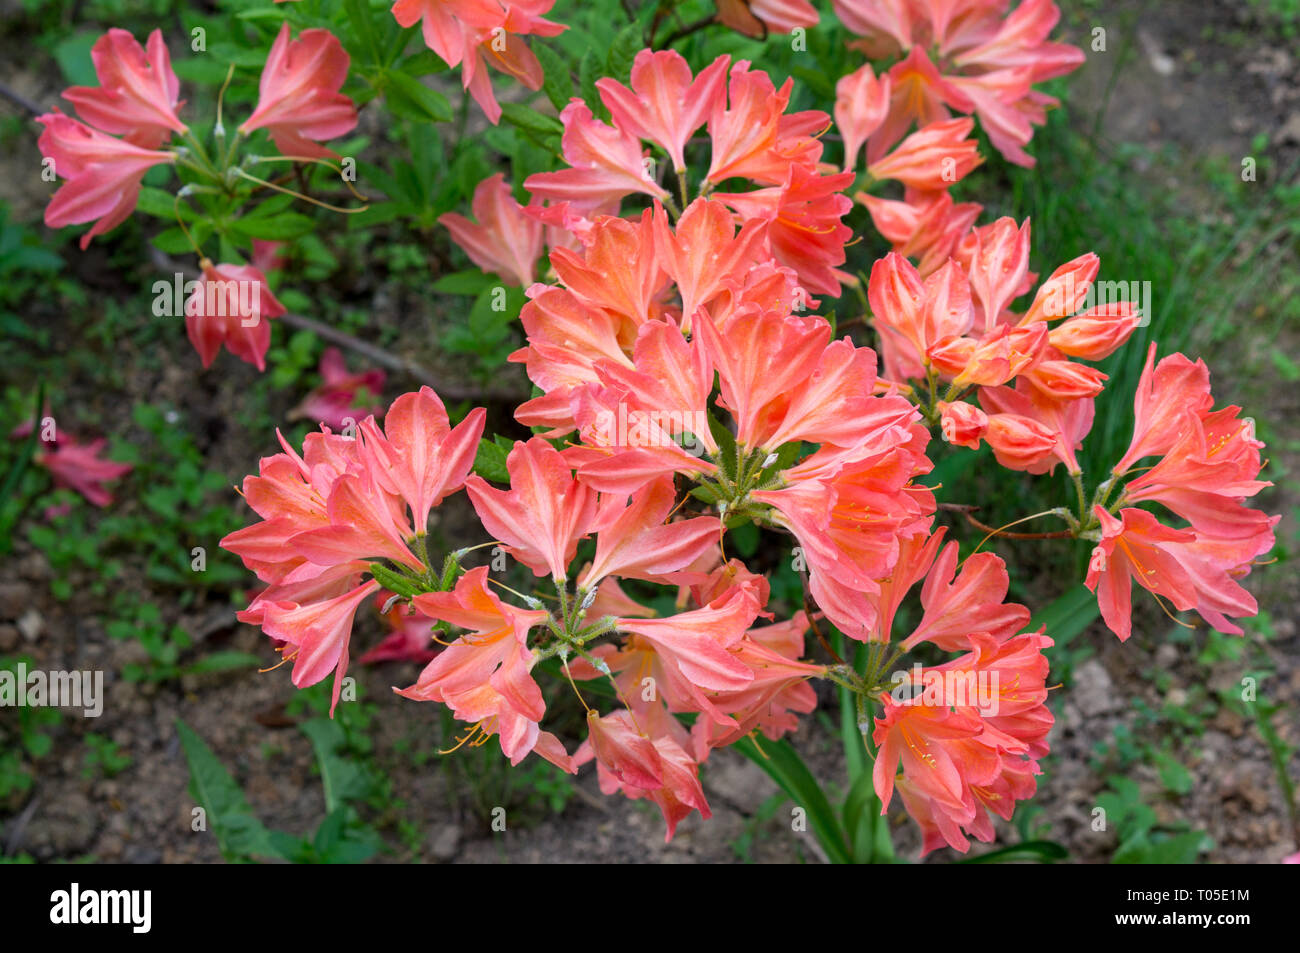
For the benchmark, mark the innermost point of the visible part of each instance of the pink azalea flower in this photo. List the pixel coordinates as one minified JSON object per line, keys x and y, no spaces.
{"x":233,"y":306}
{"x":606,"y":162}
{"x":137,"y":95}
{"x":703,"y":251}
{"x":925,"y":225}
{"x":964,"y":757}
{"x":635,"y":542}
{"x":779,"y":688}
{"x":692,"y":651}
{"x":1166,"y":392}
{"x":654,"y":766}
{"x":543,"y":514}
{"x":986,"y":62}
{"x":1029,"y":416}
{"x":665,"y":105}
{"x":1132,"y":548}
{"x":848,"y":508}
{"x":344,"y":502}
{"x":619,"y":270}
{"x":299,"y":102}
{"x":957,"y":603}
{"x":475,"y":33}
{"x":103,"y":175}
{"x":861,"y":103}
{"x":932,"y":158}
{"x":804,"y":228}
{"x":419,"y":456}
{"x":319,"y":632}
{"x":484,"y":675}
{"x":753,"y":137}
{"x":504,"y":240}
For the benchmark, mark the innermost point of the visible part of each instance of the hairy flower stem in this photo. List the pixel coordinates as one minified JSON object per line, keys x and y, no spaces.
{"x":1078,"y":489}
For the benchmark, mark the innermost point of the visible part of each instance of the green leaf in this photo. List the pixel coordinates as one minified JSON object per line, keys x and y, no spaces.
{"x":1178,"y":849}
{"x":1173,"y":775}
{"x":204,"y":69}
{"x":786,"y":455}
{"x":239,"y":834}
{"x":410,"y":98}
{"x":281,"y":226}
{"x":588,"y":73}
{"x":862,"y":816}
{"x":172,"y":241}
{"x":393,"y":581}
{"x":162,"y":204}
{"x":73,"y":57}
{"x":623,"y":51}
{"x":490,"y":462}
{"x":745,"y":537}
{"x":223,"y":662}
{"x":726,"y":441}
{"x":422,"y":63}
{"x":786,"y":768}
{"x":1068,"y":615}
{"x":342,"y":779}
{"x":358,"y":14}
{"x":469,"y":282}
{"x":705,"y":495}
{"x":558,"y":81}
{"x":530,"y":120}
{"x":1043,"y":851}
{"x":261,"y":13}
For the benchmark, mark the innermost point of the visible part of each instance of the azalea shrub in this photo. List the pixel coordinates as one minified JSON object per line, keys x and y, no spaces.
{"x":756,"y":304}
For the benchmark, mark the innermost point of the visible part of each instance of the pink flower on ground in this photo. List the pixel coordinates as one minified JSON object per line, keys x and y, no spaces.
{"x":77,"y":466}
{"x":335,"y":402}
{"x":137,"y":95}
{"x":299,"y":99}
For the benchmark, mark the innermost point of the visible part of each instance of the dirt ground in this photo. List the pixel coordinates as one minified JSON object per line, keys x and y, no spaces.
{"x":1203,"y":79}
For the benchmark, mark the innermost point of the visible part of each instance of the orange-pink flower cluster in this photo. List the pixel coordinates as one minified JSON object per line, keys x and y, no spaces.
{"x":752,"y":139}
{"x":684,"y":389}
{"x":965,"y":56}
{"x":327,"y":513}
{"x":475,"y":34}
{"x":1207,"y":467}
{"x":954,"y":327}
